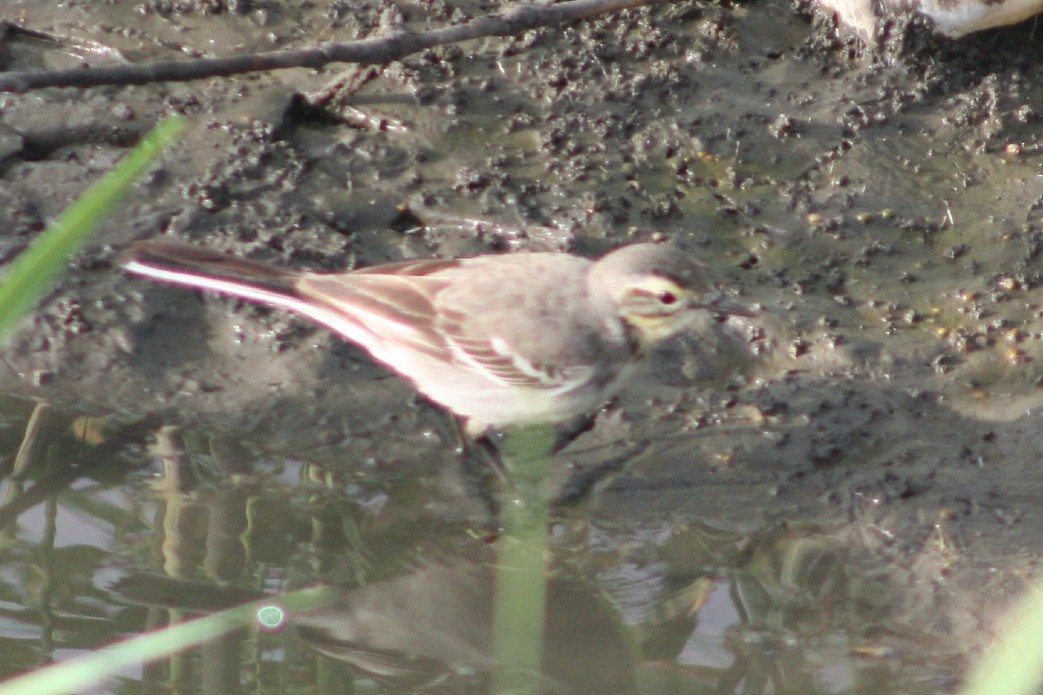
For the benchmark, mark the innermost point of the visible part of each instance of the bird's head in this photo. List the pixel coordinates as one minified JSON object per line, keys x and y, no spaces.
{"x":658,"y":290}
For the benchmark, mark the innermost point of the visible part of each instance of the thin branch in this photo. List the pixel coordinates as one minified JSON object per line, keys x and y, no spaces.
{"x":513,"y":20}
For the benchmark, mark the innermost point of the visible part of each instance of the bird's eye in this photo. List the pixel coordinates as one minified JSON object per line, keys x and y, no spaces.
{"x":667,"y":298}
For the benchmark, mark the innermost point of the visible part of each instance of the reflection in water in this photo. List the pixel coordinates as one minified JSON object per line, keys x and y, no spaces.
{"x":432,"y":628}
{"x":113,"y":528}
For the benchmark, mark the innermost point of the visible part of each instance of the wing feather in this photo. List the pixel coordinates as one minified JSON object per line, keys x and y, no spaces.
{"x":390,"y":307}
{"x":399,"y":302}
{"x":495,"y":357}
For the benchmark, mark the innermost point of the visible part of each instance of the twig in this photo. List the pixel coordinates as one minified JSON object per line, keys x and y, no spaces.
{"x":511,"y":21}
{"x":9,"y":32}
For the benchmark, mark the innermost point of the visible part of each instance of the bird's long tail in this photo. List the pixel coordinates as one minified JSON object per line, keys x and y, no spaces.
{"x":192,"y":266}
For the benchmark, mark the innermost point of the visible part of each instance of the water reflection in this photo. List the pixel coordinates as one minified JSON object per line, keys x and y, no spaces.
{"x":112,"y":527}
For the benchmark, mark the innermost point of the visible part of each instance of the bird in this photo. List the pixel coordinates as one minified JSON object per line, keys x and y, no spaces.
{"x":499,"y":340}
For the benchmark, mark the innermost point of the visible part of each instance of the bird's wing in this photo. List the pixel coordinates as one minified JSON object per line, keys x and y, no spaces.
{"x":399,"y":304}
{"x":381,"y":308}
{"x":501,"y":361}
{"x":417,"y":267}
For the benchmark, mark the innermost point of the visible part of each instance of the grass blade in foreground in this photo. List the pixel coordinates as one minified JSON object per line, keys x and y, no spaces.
{"x":30,"y":274}
{"x":1013,"y":664}
{"x":87,"y":672}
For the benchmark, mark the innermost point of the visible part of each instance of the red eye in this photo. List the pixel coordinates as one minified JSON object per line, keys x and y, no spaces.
{"x":667,"y":298}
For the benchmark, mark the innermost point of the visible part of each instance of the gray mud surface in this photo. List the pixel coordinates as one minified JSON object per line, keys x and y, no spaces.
{"x":884,"y":205}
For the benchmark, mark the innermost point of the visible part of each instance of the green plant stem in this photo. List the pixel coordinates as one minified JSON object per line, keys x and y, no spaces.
{"x":521,"y":573}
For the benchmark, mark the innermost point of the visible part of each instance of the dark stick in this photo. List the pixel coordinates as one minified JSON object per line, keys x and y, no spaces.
{"x":511,"y":21}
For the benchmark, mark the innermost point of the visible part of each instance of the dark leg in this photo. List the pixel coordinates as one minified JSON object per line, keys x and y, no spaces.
{"x":480,"y":467}
{"x":580,"y":485}
{"x":484,"y":476}
{"x":571,"y":430}
{"x":485,"y":473}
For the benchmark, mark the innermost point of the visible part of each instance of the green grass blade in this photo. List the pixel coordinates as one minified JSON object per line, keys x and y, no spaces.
{"x":31,"y":274}
{"x":89,"y":671}
{"x":1013,"y":665}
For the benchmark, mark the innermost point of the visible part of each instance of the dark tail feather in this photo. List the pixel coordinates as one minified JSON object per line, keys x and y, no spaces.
{"x":151,"y":258}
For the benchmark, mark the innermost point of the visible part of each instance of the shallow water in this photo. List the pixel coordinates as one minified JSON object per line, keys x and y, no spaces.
{"x":111,"y":530}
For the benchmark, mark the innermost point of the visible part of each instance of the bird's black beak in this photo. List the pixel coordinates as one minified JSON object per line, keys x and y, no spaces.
{"x":723,"y":308}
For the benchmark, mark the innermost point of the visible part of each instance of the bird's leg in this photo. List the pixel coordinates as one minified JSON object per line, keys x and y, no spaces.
{"x":484,"y":469}
{"x":571,"y":430}
{"x":485,"y":475}
{"x":483,"y":472}
{"x":580,"y":485}
{"x":481,"y":469}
